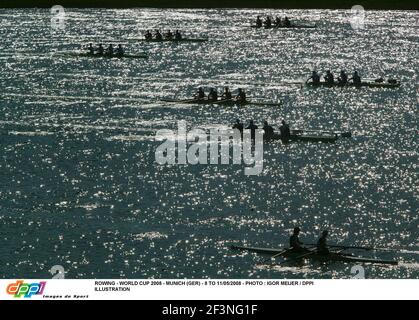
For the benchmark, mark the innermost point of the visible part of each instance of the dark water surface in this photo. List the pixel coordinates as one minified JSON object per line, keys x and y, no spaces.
{"x":79,"y":186}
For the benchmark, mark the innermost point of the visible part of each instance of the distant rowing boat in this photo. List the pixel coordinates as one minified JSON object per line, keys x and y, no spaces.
{"x":333,"y":256}
{"x":369,"y":84}
{"x":183,"y":40}
{"x":286,"y":27}
{"x":104,"y":56}
{"x":228,"y":102}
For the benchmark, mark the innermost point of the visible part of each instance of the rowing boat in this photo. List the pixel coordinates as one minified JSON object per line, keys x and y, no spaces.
{"x":369,"y":84}
{"x":228,"y":102}
{"x":333,"y":256}
{"x":104,"y":56}
{"x":296,"y":26}
{"x":183,"y":40}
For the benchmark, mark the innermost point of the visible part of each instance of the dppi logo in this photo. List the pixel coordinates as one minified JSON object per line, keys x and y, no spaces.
{"x":27,"y":290}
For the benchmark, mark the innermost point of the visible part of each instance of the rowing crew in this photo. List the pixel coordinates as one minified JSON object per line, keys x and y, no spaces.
{"x":329,"y":78}
{"x":297,"y":246}
{"x":267,"y":128}
{"x":110,"y":51}
{"x":168,"y":35}
{"x":269,"y":22}
{"x":226,"y":95}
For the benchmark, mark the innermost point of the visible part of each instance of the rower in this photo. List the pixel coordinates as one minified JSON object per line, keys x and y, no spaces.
{"x":178,"y":35}
{"x":239,"y":126}
{"x":258,"y":22}
{"x":226,"y":94}
{"x":343,"y":77}
{"x":168,"y":35}
{"x":268,"y":22}
{"x":200,"y":94}
{"x":213,"y":95}
{"x":241,"y":96}
{"x":356,"y":78}
{"x":287,"y":22}
{"x":148,"y":35}
{"x":295,"y":244}
{"x":315,"y":77}
{"x":252,"y":127}
{"x":322,"y":247}
{"x":278,"y":22}
{"x":268,"y":131}
{"x":120,"y":51}
{"x":91,"y":49}
{"x":285,"y":131}
{"x":329,"y":78}
{"x":158,"y":35}
{"x":109,"y":51}
{"x":100,"y":50}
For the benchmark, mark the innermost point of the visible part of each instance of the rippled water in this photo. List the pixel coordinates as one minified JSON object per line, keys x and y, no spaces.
{"x":79,"y":186}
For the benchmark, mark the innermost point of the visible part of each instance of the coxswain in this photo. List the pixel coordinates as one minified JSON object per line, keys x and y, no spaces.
{"x":322,"y":247}
{"x":268,"y":22}
{"x":226,"y":94}
{"x":287,"y":22}
{"x":241,"y":96}
{"x":200,"y":94}
{"x":212,"y":95}
{"x":158,"y":35}
{"x":91,"y":49}
{"x":100,"y":50}
{"x":168,"y":35}
{"x":329,"y":78}
{"x":120,"y":51}
{"x":356,"y":78}
{"x":109,"y":50}
{"x":343,"y":77}
{"x":239,"y":126}
{"x":258,"y":22}
{"x":315,"y":78}
{"x":285,"y":131}
{"x":268,"y":131}
{"x":178,"y":35}
{"x":295,"y":244}
{"x":148,"y":35}
{"x":252,"y":127}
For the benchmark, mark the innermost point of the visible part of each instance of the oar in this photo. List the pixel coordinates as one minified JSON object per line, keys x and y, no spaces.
{"x":275,"y":256}
{"x":343,"y":134}
{"x":181,"y":101}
